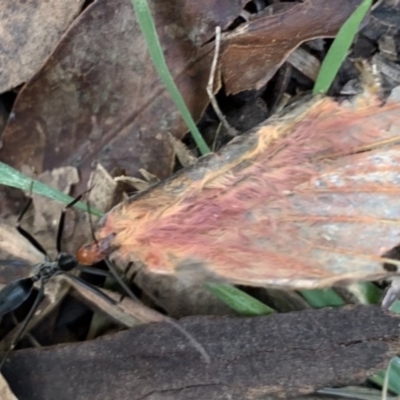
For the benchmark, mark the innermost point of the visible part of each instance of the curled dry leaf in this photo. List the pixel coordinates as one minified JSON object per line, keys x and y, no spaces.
{"x":252,"y":54}
{"x":310,"y":199}
{"x":137,"y":183}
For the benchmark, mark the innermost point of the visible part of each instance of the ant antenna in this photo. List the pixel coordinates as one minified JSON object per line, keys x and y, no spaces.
{"x":22,"y":231}
{"x":60,"y":230}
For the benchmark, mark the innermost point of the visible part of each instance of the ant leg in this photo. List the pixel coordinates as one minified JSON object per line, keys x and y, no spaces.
{"x":25,"y":233}
{"x":93,"y":271}
{"x":121,"y":282}
{"x":62,"y":221}
{"x":131,"y":278}
{"x":90,"y":287}
{"x":24,"y":324}
{"x":28,"y":336}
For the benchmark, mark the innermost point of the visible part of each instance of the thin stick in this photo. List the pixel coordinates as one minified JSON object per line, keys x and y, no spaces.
{"x":214,"y":145}
{"x":210,"y":86}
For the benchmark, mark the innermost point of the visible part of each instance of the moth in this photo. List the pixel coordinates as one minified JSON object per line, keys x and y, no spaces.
{"x":310,"y":199}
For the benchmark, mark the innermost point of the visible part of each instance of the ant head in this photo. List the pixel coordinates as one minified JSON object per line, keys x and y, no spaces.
{"x":89,"y":254}
{"x":96,"y":251}
{"x":66,"y":262}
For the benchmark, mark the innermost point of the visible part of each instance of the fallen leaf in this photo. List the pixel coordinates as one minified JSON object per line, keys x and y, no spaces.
{"x":98,"y":96}
{"x":47,"y":213}
{"x":252,"y":54}
{"x":310,"y":199}
{"x":29,"y":32}
{"x":19,"y":255}
{"x":199,"y":19}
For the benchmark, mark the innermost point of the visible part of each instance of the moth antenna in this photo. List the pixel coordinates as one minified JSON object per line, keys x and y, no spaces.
{"x":195,"y":343}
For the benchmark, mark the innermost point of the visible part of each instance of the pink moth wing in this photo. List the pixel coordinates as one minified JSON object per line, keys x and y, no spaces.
{"x":310,"y":199}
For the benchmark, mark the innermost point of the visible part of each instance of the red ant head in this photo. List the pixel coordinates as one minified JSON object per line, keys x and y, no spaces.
{"x":92,"y":253}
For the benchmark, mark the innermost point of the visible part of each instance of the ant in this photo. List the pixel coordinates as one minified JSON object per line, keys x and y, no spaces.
{"x":16,"y":292}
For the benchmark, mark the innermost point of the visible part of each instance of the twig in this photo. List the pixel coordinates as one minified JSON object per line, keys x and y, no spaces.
{"x":210,"y":86}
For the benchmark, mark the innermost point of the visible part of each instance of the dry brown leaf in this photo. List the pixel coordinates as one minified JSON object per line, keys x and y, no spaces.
{"x":16,"y":246}
{"x":29,"y":32}
{"x":252,"y":54}
{"x":98,"y":96}
{"x":47,"y":213}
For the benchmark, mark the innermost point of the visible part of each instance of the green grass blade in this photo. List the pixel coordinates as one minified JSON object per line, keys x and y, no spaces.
{"x":148,"y":28}
{"x":13,"y":178}
{"x":340,"y":46}
{"x":394,"y":376}
{"x":319,"y":298}
{"x":238,"y":300}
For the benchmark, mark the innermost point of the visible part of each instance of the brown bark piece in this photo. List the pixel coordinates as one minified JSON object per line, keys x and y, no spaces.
{"x":282,"y":355}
